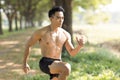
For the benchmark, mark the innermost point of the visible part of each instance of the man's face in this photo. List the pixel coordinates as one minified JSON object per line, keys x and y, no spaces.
{"x":57,"y":19}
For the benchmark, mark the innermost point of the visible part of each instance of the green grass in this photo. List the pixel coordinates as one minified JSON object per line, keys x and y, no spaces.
{"x":98,"y":64}
{"x":7,"y":34}
{"x":35,"y":77}
{"x":93,"y":62}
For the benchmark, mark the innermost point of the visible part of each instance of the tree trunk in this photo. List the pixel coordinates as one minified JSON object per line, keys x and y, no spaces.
{"x":1,"y":32}
{"x":67,"y":25}
{"x":20,"y":22}
{"x":26,"y":22}
{"x":16,"y":25}
{"x":10,"y":25}
{"x":67,"y":5}
{"x":32,"y":23}
{"x":10,"y":17}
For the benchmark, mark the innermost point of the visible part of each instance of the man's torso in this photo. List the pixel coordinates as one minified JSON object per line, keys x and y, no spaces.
{"x":51,"y":43}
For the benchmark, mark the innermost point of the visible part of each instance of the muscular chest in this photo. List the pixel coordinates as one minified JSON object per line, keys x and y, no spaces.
{"x":53,"y":39}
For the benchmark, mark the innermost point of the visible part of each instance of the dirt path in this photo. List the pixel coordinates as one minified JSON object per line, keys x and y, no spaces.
{"x":11,"y":52}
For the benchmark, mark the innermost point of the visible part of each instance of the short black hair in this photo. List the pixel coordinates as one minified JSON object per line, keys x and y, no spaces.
{"x":55,"y":9}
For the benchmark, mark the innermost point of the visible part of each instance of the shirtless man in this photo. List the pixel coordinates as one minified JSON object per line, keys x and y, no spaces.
{"x":51,"y":39}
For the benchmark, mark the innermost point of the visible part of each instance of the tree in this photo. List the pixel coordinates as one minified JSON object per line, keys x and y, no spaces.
{"x":28,"y":9}
{"x":91,"y":6}
{"x":10,"y":12}
{"x":86,"y":4}
{"x":67,"y":5}
{"x":1,"y":7}
{"x":67,"y":25}
{"x":42,"y":10}
{"x":1,"y":32}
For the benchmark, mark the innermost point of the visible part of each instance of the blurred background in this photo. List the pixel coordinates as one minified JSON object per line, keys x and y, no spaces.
{"x":97,"y":20}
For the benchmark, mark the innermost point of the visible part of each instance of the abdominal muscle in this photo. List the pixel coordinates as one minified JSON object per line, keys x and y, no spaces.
{"x":51,"y":46}
{"x":51,"y":52}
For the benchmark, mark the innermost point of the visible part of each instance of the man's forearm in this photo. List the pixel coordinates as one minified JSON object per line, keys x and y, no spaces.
{"x":76,"y":50}
{"x":26,"y":54}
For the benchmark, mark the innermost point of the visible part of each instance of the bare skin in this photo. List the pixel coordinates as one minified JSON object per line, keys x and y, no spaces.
{"x":51,"y":39}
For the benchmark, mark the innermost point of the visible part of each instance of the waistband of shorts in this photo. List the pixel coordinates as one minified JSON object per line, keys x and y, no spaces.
{"x":50,"y":58}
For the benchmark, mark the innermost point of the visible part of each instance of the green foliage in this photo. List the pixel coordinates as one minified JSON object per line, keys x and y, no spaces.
{"x":91,"y":4}
{"x":7,"y":34}
{"x":95,"y":18}
{"x":15,"y":33}
{"x":99,"y":64}
{"x":34,"y":61}
{"x":42,"y":9}
{"x":90,"y":11}
{"x":92,"y":63}
{"x":35,"y":77}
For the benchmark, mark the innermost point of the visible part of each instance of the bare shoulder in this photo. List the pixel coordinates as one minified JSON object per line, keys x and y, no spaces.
{"x":67,"y":34}
{"x":41,"y":31}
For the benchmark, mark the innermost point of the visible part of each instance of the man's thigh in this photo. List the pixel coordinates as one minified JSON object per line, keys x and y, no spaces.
{"x":57,"y":66}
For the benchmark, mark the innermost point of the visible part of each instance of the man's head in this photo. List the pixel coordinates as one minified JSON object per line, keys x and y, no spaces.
{"x":56,"y":15}
{"x":54,"y":10}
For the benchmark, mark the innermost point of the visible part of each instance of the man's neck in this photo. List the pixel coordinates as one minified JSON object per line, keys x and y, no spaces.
{"x":53,"y":28}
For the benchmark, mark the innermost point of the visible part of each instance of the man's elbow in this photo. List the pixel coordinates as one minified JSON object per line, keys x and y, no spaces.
{"x":72,"y":54}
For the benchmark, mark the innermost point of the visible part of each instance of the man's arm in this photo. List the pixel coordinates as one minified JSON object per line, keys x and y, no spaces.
{"x":69,"y":46}
{"x":34,"y":38}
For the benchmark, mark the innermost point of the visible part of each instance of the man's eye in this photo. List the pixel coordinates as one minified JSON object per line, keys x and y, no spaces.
{"x":58,"y":17}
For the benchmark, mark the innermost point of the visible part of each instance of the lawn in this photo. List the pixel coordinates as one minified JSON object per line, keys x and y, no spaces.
{"x":97,"y":60}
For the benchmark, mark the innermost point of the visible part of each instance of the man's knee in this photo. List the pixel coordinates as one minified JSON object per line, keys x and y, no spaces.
{"x":55,"y":78}
{"x":66,"y":69}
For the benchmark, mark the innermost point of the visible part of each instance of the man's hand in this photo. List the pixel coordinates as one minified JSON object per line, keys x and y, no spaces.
{"x":26,"y":68}
{"x":81,"y":40}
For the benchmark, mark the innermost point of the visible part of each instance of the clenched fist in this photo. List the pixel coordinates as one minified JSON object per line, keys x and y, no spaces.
{"x":26,"y":68}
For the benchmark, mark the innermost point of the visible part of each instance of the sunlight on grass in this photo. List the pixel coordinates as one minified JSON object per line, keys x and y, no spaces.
{"x":105,"y":75}
{"x":95,"y":61}
{"x":98,"y":64}
{"x":99,"y":33}
{"x":35,"y":77}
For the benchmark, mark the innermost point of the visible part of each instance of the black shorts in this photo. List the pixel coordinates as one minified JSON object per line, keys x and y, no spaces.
{"x":44,"y":63}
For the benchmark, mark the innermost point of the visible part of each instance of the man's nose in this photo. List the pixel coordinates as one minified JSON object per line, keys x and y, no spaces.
{"x":61,"y":20}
